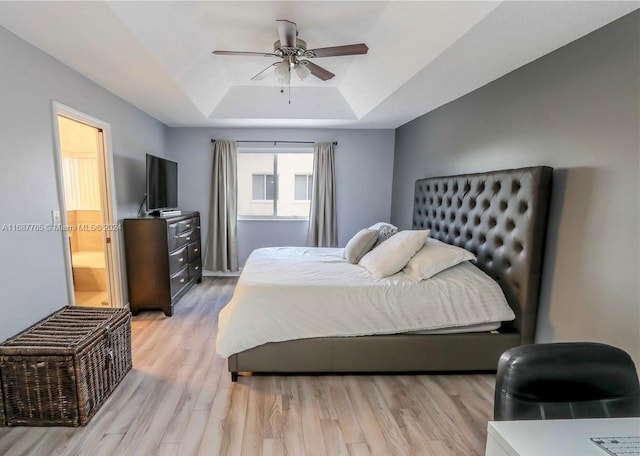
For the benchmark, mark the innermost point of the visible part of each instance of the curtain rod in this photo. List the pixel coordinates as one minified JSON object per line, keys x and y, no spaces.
{"x":335,"y":143}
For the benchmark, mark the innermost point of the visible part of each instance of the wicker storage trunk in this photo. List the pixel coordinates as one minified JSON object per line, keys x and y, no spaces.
{"x":61,"y":370}
{"x":3,"y":421}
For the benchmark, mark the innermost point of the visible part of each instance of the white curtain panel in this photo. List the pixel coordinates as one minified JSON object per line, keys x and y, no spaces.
{"x":81,"y":184}
{"x":323,"y":231}
{"x":221,"y":254}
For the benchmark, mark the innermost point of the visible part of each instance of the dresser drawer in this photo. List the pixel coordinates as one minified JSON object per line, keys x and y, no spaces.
{"x":194,"y":251}
{"x":195,"y":269}
{"x":177,"y":260}
{"x":184,"y":238}
{"x":179,"y":280}
{"x":185,"y":225}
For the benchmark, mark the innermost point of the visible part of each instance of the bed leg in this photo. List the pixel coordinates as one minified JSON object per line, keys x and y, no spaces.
{"x":234,"y":377}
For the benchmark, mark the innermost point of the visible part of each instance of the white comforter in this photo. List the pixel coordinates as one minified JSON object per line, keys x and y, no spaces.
{"x":287,"y":293}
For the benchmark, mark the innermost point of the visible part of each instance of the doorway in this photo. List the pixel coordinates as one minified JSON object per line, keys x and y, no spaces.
{"x":86,"y":211}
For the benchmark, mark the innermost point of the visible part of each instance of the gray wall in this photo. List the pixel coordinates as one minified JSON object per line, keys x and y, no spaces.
{"x":32,"y":275}
{"x":576,"y":110}
{"x":364,"y":164}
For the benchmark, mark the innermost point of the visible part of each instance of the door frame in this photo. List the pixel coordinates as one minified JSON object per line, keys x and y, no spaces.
{"x":113,"y":248}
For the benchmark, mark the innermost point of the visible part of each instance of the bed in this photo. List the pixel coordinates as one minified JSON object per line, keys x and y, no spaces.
{"x":500,"y":217}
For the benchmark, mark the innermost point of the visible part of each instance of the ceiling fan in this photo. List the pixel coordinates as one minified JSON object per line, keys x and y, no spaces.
{"x":294,"y":54}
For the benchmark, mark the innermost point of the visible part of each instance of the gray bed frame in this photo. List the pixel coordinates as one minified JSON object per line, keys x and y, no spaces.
{"x":501,"y":217}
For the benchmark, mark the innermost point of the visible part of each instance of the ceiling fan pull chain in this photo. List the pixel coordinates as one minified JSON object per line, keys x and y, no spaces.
{"x":289,"y":85}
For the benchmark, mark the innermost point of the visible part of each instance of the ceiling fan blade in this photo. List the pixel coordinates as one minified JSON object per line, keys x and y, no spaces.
{"x":349,"y":49}
{"x":287,"y":32}
{"x":261,"y":54}
{"x":261,"y":75}
{"x":319,"y":72}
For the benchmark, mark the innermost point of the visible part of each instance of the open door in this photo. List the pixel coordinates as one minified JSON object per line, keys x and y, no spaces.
{"x":90,"y":232}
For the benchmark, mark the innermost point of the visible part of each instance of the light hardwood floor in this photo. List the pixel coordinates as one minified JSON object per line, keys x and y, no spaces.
{"x":179,"y":400}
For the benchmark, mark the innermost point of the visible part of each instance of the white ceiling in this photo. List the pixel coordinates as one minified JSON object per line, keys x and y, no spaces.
{"x":157,"y":55}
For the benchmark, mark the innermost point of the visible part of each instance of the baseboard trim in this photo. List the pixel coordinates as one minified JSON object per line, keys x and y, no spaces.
{"x":221,"y":274}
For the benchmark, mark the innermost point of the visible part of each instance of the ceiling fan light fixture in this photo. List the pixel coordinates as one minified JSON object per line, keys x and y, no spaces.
{"x":302,"y":71}
{"x":290,"y":48}
{"x":282,"y":70}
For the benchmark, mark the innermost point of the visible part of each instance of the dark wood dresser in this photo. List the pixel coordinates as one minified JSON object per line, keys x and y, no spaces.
{"x":163,"y":259}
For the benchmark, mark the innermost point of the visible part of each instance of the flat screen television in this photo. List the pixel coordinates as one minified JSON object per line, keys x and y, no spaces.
{"x":162,"y":184}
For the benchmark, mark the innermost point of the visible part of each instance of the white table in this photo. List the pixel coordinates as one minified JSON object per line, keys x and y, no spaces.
{"x":555,"y":437}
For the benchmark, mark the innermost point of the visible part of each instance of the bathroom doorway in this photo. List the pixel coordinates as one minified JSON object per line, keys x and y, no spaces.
{"x":89,"y":234}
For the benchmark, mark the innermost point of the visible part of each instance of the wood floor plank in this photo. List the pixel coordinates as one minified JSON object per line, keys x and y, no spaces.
{"x":389,"y":427}
{"x":191,"y":439}
{"x":212,"y":437}
{"x":440,"y":448}
{"x":455,"y":424}
{"x":469,"y":408}
{"x":233,"y":427}
{"x":271,"y":423}
{"x":107,"y":445}
{"x":252,"y":439}
{"x":186,"y":404}
{"x":209,"y":387}
{"x":273,"y":447}
{"x":291,"y":416}
{"x":163,"y":414}
{"x":179,"y":400}
{"x":324,"y":403}
{"x":168,"y":449}
{"x":9,"y":438}
{"x":368,"y":421}
{"x":346,"y":416}
{"x":310,"y":418}
{"x":358,"y":449}
{"x":28,"y":442}
{"x":414,"y":422}
{"x":333,"y":438}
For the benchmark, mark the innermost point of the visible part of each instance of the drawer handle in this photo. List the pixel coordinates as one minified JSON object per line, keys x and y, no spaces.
{"x":188,"y":238}
{"x":198,"y":226}
{"x":195,"y":250}
{"x":181,"y":280}
{"x":197,"y":267}
{"x":188,"y":226}
{"x":180,"y":260}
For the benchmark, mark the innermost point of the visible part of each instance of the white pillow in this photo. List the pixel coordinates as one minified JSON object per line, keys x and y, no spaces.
{"x":435,"y":257}
{"x":393,"y":254}
{"x":359,"y":245}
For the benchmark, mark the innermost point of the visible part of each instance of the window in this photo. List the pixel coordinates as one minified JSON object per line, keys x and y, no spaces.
{"x":303,"y":187}
{"x":274,"y":184}
{"x":264,"y":187}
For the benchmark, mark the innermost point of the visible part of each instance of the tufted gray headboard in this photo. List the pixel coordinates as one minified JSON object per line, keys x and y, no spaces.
{"x":500,"y":216}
